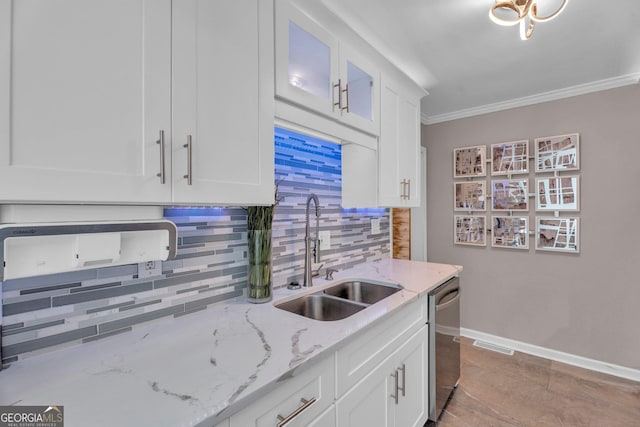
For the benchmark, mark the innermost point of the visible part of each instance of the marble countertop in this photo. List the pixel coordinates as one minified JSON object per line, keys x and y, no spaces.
{"x":201,"y":368}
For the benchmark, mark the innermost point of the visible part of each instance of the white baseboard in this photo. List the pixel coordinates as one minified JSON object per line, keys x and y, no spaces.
{"x":558,"y":356}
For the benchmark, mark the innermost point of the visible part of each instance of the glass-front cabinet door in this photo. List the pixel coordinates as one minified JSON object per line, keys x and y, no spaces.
{"x":360,"y":92}
{"x":306,"y":60}
{"x":320,"y":73}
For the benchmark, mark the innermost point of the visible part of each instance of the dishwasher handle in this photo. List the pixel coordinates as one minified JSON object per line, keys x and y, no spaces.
{"x":454,"y":296}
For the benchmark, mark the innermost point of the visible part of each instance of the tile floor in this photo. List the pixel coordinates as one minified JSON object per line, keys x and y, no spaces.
{"x":523,"y":390}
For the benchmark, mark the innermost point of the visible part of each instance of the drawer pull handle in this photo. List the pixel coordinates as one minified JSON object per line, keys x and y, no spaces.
{"x":404,"y":380}
{"x":305,"y":404}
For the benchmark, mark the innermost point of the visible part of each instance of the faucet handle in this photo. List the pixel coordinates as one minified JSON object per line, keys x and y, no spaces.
{"x":330,"y":272}
{"x":316,"y":272}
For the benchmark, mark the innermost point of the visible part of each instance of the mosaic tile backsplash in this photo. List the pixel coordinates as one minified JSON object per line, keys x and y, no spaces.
{"x":45,"y":313}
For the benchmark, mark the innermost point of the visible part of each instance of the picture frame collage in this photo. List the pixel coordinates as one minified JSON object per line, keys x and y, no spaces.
{"x":508,"y":193}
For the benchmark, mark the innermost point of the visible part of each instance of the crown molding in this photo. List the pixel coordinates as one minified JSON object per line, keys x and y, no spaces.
{"x":599,"y":85}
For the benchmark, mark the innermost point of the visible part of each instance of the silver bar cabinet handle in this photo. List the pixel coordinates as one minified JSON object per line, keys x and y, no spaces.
{"x":408,"y":189}
{"x":305,"y":404}
{"x":189,"y":147}
{"x":404,"y":381}
{"x":346,"y":91}
{"x":161,"y":174}
{"x":395,"y":377}
{"x":339,"y":86}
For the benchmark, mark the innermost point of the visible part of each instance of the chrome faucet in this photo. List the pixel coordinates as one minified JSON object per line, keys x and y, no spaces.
{"x":307,"y":282}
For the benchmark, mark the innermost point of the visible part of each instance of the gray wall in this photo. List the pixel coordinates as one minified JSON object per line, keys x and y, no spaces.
{"x":586,"y":304}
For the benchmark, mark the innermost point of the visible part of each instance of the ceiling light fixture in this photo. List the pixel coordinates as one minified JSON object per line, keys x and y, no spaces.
{"x":526,"y":14}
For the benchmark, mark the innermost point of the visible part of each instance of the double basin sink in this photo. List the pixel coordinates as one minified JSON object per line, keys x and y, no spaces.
{"x":340,"y":300}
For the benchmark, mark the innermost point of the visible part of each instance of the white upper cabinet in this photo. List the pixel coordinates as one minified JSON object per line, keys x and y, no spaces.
{"x":399,"y":146}
{"x":222,"y":147}
{"x":320,"y":73}
{"x":85,"y":90}
{"x":306,"y":60}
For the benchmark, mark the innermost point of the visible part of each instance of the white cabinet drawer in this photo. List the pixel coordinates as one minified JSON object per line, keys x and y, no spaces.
{"x":317,"y":382}
{"x":369,"y":349}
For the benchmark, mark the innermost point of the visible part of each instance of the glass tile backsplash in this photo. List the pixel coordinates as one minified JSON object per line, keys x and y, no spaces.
{"x":44,"y":313}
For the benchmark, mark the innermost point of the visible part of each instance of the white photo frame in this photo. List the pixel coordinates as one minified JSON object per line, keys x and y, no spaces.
{"x":470,"y":161}
{"x":558,"y":193}
{"x":558,"y":234}
{"x":470,"y":230}
{"x":558,"y":153}
{"x":510,"y":232}
{"x":510,"y":195}
{"x":509,"y":158}
{"x":470,"y":196}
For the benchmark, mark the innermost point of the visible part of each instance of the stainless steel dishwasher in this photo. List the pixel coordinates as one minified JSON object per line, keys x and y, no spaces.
{"x":444,"y":345}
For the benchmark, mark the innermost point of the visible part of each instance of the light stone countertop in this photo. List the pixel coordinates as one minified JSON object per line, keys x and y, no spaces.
{"x":201,"y":368}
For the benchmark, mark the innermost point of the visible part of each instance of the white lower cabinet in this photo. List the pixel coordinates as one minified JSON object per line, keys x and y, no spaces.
{"x":326,"y":419}
{"x":367,"y":350}
{"x":394,"y":394}
{"x":369,"y":404}
{"x":379,"y":379}
{"x":301,"y":399}
{"x":411,"y":364}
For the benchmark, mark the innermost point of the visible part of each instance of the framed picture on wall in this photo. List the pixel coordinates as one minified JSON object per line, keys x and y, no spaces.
{"x":510,"y":158}
{"x":510,"y":232}
{"x":510,"y":194}
{"x":558,"y":153}
{"x":470,"y":196}
{"x":561,"y":234}
{"x":470,"y":230}
{"x":469,"y":161}
{"x":558,"y":193}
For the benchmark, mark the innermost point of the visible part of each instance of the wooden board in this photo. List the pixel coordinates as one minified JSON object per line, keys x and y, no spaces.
{"x":401,"y":233}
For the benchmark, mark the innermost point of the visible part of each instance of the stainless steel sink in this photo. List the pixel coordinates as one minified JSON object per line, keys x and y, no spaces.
{"x":361,"y":291}
{"x":321,"y":307}
{"x":340,"y":300}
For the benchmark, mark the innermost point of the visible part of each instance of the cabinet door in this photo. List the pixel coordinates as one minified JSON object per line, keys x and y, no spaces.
{"x":306,"y":61}
{"x":366,"y":351}
{"x":399,"y":147}
{"x":373,"y":400}
{"x":411,"y":365}
{"x":359,"y":176}
{"x":223,"y":102}
{"x":360,"y":95}
{"x":369,"y":403}
{"x":84,"y":94}
{"x":409,"y":143}
{"x":326,"y":419}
